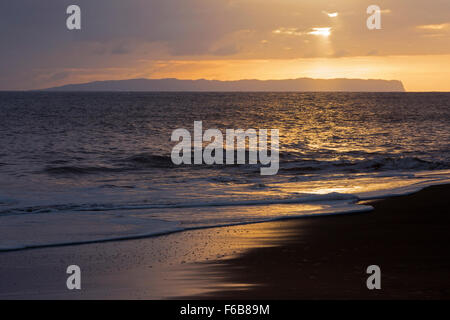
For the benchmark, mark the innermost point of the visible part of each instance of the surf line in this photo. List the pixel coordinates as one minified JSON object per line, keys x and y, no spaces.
{"x":236,"y":142}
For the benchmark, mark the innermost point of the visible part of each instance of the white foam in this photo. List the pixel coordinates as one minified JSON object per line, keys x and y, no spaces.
{"x":69,"y":224}
{"x":78,"y":229}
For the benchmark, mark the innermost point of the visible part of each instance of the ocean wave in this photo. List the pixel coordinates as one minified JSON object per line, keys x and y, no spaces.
{"x":6,"y":246}
{"x":289,"y":163}
{"x":150,"y":160}
{"x":131,"y":163}
{"x":6,"y":201}
{"x":292,"y":199}
{"x":75,"y":170}
{"x":367,"y":165}
{"x":144,"y":224}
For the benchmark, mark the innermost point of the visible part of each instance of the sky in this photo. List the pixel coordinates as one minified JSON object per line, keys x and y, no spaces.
{"x":224,"y":40}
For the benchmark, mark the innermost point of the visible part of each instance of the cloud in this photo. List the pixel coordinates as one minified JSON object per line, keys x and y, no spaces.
{"x":324,"y":32}
{"x":331,"y":14}
{"x":226,"y":50}
{"x":441,"y":26}
{"x":118,"y":35}
{"x":316,"y":31}
{"x":341,"y":53}
{"x":431,"y":31}
{"x":373,"y":52}
{"x":59,"y":76}
{"x":288,"y":31}
{"x":121,"y":48}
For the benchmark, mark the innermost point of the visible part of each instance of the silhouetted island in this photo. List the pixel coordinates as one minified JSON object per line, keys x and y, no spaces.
{"x":301,"y":84}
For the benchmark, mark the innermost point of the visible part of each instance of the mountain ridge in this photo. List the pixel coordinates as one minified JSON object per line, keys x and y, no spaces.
{"x":246,"y":85}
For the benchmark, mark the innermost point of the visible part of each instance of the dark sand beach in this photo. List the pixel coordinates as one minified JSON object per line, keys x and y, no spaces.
{"x":326,"y":258}
{"x":311,"y":258}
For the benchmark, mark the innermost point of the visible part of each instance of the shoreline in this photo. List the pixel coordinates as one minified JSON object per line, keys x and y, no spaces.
{"x":407,"y":236}
{"x":306,"y":258}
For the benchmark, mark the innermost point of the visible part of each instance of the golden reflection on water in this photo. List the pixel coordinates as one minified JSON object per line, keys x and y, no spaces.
{"x":350,"y":186}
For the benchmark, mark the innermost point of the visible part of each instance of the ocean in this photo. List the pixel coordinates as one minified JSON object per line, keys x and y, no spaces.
{"x":92,"y":167}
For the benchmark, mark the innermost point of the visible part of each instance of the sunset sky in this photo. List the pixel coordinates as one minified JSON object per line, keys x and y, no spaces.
{"x":224,"y":40}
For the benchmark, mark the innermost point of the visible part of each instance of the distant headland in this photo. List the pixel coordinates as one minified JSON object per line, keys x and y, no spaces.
{"x":294,"y":85}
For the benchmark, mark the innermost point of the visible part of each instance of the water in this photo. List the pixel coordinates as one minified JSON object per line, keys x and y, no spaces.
{"x":86,"y":167}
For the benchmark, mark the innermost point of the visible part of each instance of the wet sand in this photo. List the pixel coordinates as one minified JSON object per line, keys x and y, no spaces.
{"x":309,"y":258}
{"x":408,"y":237}
{"x":165,"y":267}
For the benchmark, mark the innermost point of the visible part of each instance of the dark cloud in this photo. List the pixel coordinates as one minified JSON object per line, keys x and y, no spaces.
{"x":226,"y":50}
{"x":59,"y":76}
{"x":341,"y":53}
{"x":121,"y":48}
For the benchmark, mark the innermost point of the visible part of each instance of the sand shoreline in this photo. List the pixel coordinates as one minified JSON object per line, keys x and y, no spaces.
{"x":407,"y":236}
{"x":308,"y":258}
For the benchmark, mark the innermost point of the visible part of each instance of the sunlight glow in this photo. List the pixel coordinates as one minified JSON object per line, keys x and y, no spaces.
{"x":288,"y":31}
{"x":325,"y":32}
{"x":434,"y":26}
